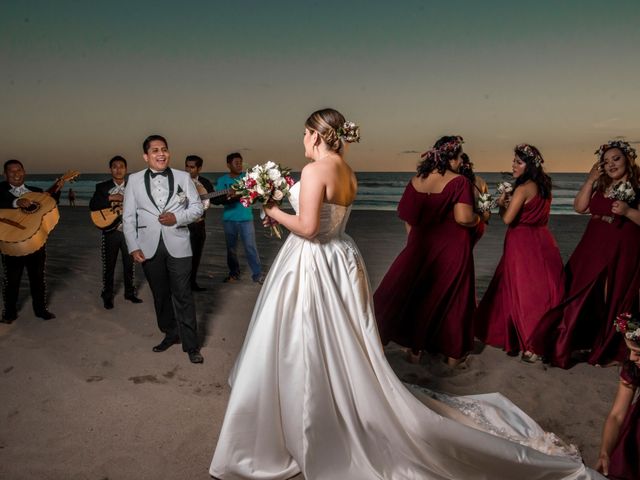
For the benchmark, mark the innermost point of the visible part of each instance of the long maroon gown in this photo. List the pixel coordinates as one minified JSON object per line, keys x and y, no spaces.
{"x":527,"y":282}
{"x":602,"y":280}
{"x":625,"y":458}
{"x":426,"y":299}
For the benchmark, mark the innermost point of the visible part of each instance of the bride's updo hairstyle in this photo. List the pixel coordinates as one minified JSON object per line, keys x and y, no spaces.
{"x":333,"y":128}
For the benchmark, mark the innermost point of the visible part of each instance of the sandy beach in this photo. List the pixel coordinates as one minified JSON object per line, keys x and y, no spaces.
{"x":84,"y":397}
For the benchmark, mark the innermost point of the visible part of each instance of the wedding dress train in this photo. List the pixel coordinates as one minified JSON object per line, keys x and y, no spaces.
{"x":312,"y":391}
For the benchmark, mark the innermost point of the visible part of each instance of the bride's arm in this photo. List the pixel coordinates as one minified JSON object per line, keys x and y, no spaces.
{"x":312,"y":190}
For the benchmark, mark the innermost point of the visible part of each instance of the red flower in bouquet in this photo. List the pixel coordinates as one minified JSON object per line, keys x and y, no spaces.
{"x":265,"y":183}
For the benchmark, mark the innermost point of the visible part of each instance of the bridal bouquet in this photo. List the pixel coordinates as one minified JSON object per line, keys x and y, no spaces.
{"x":484,"y":203}
{"x":265,"y":183}
{"x":622,"y":191}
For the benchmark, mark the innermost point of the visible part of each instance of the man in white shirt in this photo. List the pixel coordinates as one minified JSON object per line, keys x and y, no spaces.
{"x":159,"y":203}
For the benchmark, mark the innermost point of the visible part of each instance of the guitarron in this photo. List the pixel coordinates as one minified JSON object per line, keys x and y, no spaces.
{"x":25,"y":230}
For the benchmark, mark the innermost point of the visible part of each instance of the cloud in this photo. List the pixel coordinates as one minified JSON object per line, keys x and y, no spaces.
{"x":606,"y":123}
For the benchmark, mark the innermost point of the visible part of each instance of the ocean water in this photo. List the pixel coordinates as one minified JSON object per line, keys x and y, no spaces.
{"x":376,"y":190}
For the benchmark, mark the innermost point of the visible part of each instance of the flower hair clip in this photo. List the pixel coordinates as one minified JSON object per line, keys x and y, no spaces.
{"x":628,"y":150}
{"x":349,"y":132}
{"x":529,"y":152}
{"x":628,"y":325}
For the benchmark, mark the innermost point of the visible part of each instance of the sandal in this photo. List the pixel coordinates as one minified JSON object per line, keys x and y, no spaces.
{"x":413,"y":357}
{"x":530,"y":357}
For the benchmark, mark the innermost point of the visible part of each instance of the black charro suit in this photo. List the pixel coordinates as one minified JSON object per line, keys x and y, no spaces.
{"x":198,"y":235}
{"x":113,"y":241}
{"x":14,"y":266}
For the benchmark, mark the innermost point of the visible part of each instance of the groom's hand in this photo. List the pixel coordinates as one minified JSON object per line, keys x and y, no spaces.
{"x":167,"y":218}
{"x":138,"y":256}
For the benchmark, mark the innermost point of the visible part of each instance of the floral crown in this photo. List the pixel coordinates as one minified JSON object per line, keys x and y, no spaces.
{"x":446,"y":148}
{"x":628,"y":150}
{"x":531,"y":153}
{"x":349,"y":132}
{"x":628,"y":325}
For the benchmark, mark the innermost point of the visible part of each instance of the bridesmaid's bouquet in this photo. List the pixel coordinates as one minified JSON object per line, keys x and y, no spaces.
{"x":484,"y":202}
{"x":622,"y":191}
{"x":265,"y":183}
{"x":504,"y":187}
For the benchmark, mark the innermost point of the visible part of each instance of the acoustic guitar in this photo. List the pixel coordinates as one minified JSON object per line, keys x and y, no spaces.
{"x":216,"y":196}
{"x":25,"y":230}
{"x":107,"y":218}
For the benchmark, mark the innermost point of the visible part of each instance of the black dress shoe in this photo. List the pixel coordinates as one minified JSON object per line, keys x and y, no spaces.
{"x":198,"y":288}
{"x":45,"y":315}
{"x":165,"y":344}
{"x":195,"y":356}
{"x":108,"y":303}
{"x":133,"y":299}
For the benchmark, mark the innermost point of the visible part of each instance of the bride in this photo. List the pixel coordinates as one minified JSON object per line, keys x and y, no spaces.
{"x":312,"y":392}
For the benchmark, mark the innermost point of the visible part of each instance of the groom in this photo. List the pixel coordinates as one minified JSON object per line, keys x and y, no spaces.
{"x":159,"y":203}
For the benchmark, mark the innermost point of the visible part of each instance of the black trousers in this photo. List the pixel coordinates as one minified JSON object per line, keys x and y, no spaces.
{"x":113,"y":242}
{"x":13,"y":267}
{"x":170,"y":281}
{"x":197,"y":235}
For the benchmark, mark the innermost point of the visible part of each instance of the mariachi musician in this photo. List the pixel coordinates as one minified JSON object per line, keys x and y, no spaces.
{"x":109,"y":196}
{"x":197,"y":232}
{"x":10,"y":192}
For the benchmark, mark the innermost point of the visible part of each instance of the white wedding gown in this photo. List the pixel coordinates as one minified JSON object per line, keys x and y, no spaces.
{"x":312,"y":391}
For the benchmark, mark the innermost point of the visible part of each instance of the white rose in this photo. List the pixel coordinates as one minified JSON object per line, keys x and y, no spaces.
{"x":269,"y":165}
{"x":254,"y":175}
{"x":274,"y":174}
{"x":278,"y":195}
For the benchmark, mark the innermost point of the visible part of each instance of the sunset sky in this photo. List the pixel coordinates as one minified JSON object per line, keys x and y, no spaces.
{"x":81,"y":81}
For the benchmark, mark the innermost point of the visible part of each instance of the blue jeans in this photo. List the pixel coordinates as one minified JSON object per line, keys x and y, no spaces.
{"x":245,"y":230}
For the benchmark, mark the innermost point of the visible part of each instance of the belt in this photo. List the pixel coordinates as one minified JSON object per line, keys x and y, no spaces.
{"x":604,"y":218}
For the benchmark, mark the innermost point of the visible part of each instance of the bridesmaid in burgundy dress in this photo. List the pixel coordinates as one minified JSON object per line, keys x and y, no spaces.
{"x":620,"y":444}
{"x":602,"y":274}
{"x":426,"y":299}
{"x":528,"y":280}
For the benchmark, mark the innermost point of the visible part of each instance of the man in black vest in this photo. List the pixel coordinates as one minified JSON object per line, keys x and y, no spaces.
{"x":10,"y":192}
{"x":110,"y":194}
{"x":197,"y":231}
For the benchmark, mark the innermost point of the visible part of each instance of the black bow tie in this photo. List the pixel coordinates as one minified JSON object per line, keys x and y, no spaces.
{"x":164,"y":173}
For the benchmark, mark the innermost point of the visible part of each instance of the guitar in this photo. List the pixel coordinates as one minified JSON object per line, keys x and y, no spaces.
{"x":107,"y":218}
{"x":217,"y":197}
{"x":24,"y":230}
{"x":217,"y":194}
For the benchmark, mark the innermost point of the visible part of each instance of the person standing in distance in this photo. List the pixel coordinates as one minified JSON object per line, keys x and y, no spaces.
{"x":159,"y":203}
{"x":238,"y":222}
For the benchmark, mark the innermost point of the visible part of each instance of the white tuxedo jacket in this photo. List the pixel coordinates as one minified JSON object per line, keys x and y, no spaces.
{"x":141,"y":227}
